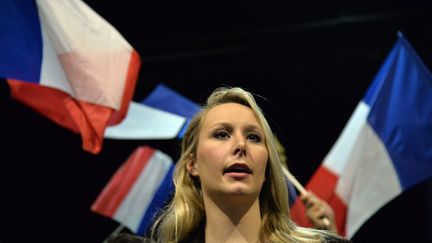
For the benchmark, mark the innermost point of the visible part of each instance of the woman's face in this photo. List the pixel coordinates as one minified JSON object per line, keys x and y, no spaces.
{"x":231,"y":156}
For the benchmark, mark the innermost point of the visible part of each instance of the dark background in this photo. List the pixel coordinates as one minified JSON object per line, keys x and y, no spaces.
{"x":312,"y":61}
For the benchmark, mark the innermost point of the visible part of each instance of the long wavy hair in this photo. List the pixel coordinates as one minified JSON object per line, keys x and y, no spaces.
{"x":186,"y":211}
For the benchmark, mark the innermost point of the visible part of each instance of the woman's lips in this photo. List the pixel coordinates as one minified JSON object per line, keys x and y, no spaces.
{"x":238,"y":171}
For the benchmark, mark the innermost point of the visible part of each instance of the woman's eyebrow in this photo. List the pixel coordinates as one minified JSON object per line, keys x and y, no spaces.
{"x":220,"y":124}
{"x":253,"y":127}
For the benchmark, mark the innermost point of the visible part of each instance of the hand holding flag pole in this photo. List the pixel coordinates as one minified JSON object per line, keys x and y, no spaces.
{"x":302,"y":190}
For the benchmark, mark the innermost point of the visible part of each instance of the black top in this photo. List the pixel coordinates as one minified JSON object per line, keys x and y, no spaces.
{"x":197,"y":236}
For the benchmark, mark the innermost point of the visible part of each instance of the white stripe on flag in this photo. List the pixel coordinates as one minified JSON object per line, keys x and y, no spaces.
{"x":367,"y":177}
{"x":135,"y":204}
{"x":369,"y":180}
{"x":341,"y":151}
{"x":144,"y":122}
{"x":52,"y":74}
{"x":93,"y":54}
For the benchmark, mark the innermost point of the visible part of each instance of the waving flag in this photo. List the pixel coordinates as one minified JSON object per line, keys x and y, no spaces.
{"x":66,"y":62}
{"x":164,"y":114}
{"x":145,"y":122}
{"x":168,"y":100}
{"x":386,"y":146}
{"x":139,"y":188}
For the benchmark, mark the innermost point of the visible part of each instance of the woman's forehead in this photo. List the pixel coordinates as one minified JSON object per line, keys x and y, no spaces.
{"x":230,"y":113}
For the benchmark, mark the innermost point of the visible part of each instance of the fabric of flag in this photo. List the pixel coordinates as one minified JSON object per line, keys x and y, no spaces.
{"x":386,"y":146}
{"x":292,"y":194}
{"x":65,"y":61}
{"x":163,"y":114}
{"x":145,"y":122}
{"x":137,"y":190}
{"x":164,"y":98}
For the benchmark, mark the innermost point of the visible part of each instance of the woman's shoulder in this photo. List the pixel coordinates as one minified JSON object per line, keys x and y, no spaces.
{"x":336,"y":239}
{"x":128,"y":238}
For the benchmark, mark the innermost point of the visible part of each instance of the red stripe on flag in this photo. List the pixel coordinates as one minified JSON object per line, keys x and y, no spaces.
{"x":323,"y":184}
{"x":121,"y":182}
{"x":340,"y":210}
{"x":131,"y":78}
{"x":298,"y":214}
{"x":82,"y":117}
{"x":87,"y":119}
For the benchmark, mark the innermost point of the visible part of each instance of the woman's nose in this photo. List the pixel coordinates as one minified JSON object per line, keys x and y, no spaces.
{"x":240,"y":146}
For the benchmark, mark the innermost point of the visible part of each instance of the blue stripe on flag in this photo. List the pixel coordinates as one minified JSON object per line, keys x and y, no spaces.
{"x":401,"y":112}
{"x":292,"y":194}
{"x":21,"y":41}
{"x":160,"y":199}
{"x":166,"y":99}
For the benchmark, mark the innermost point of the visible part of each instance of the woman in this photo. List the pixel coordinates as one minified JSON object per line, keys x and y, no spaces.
{"x":229,"y":182}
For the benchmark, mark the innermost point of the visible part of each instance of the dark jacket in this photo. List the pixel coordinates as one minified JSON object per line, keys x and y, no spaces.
{"x":197,"y":236}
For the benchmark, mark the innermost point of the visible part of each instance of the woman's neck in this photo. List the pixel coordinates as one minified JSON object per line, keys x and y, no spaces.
{"x":228,"y":223}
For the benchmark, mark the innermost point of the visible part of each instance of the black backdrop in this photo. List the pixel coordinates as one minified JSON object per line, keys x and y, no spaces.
{"x":312,"y":63}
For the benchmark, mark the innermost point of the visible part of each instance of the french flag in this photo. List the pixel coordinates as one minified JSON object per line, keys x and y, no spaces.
{"x":65,"y":61}
{"x":385,"y":148}
{"x":163,"y":114}
{"x":166,"y":99}
{"x":138,"y":190}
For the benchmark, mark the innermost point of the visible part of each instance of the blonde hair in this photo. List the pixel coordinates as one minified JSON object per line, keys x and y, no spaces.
{"x":186,"y":210}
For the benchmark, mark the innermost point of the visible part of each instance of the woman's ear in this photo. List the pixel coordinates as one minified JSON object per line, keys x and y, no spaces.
{"x":191,"y":166}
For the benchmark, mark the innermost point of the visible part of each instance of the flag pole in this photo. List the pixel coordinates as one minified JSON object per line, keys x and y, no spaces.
{"x":301,"y":189}
{"x":116,"y":231}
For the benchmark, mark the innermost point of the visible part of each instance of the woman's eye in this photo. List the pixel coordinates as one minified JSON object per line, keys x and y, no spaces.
{"x":221,"y":135}
{"x":254,"y":137}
